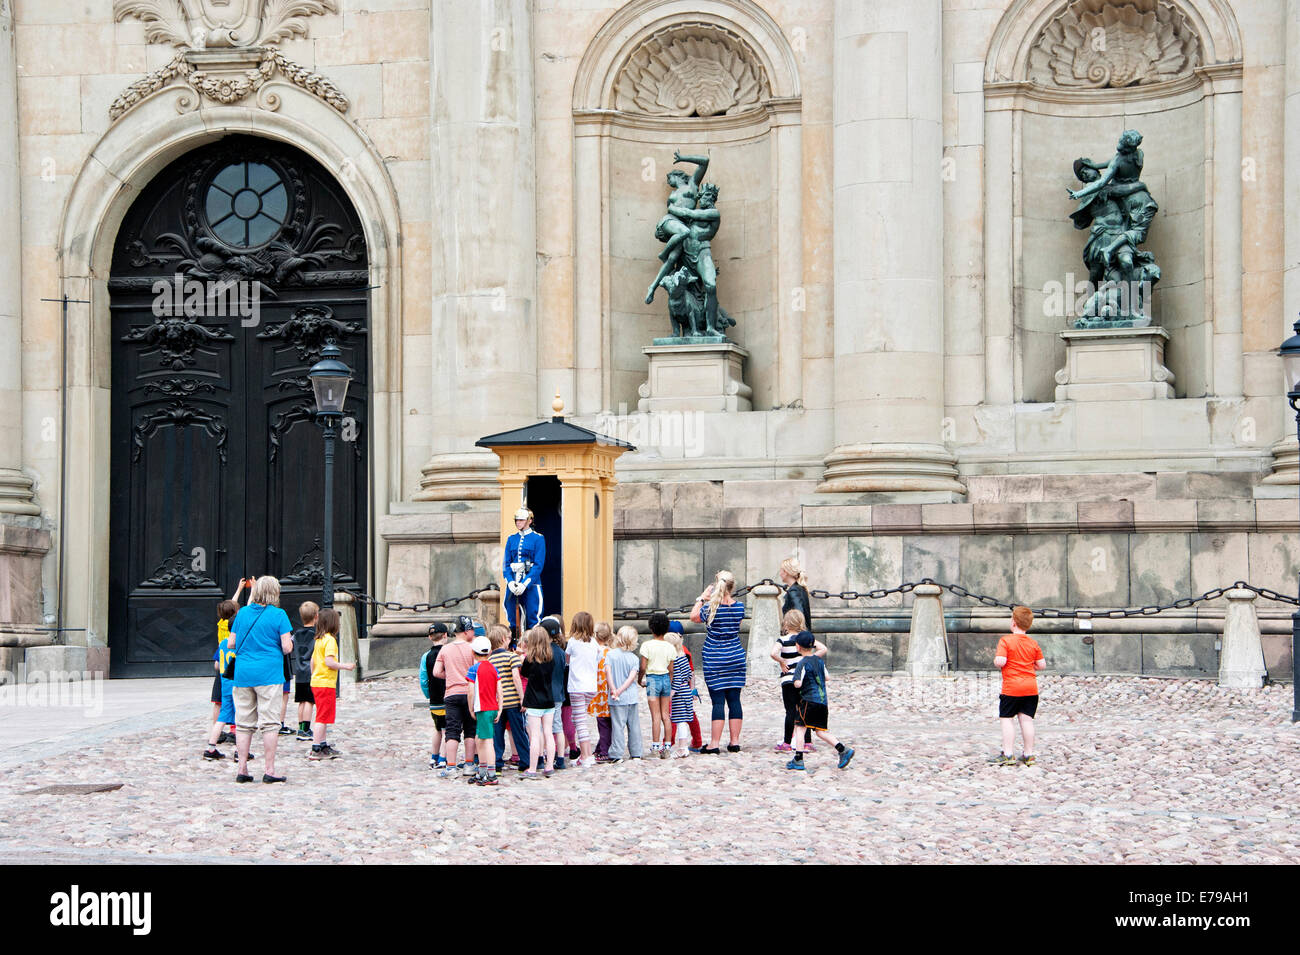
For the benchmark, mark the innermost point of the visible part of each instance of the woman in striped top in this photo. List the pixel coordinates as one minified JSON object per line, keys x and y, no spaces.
{"x":722,"y":657}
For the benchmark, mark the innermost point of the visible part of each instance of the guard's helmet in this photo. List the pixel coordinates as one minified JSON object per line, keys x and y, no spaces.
{"x":523,"y":514}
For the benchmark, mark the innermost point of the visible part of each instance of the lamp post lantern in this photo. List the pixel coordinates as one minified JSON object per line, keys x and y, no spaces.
{"x":1290,"y":355}
{"x":329,"y":380}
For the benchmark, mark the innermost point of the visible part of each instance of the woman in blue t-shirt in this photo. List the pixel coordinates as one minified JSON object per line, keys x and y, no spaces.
{"x":722,"y":658}
{"x":261,"y":635}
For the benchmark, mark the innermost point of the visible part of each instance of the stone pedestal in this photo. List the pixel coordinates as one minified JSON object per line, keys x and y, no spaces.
{"x":1241,"y":656}
{"x":764,"y":631}
{"x":1114,"y":364}
{"x":927,"y":642}
{"x":699,"y":376}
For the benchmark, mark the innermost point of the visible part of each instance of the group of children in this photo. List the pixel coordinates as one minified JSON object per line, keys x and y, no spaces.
{"x":313,"y":665}
{"x":542,"y":689}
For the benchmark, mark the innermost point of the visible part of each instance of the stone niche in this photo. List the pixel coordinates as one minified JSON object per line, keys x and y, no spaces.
{"x":1055,"y":92}
{"x":740,"y":163}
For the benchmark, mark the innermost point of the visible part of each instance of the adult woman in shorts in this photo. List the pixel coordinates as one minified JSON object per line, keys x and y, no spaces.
{"x":261,"y":635}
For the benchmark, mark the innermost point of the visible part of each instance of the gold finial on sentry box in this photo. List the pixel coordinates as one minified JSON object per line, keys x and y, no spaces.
{"x":557,"y":405}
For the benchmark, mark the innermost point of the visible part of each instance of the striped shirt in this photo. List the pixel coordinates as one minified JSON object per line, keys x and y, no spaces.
{"x":683,"y":699}
{"x":723,"y":655}
{"x":506,"y":661}
{"x":789,"y":655}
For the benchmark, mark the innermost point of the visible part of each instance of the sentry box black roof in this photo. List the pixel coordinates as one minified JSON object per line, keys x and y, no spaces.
{"x":555,"y":431}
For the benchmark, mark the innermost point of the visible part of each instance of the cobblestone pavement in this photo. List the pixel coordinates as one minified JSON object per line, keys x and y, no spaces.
{"x":1130,"y":770}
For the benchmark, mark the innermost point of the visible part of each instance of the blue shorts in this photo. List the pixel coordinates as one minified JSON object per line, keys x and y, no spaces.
{"x":539,"y":713}
{"x":658,"y":684}
{"x":227,"y":714}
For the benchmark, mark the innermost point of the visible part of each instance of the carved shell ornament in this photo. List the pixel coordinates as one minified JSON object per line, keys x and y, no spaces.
{"x":691,"y":70}
{"x":226,"y":53}
{"x":1094,"y":44}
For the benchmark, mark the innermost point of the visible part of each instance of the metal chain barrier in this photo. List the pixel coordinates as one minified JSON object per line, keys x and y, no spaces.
{"x":643,"y":613}
{"x":1116,"y":613}
{"x":880,"y":594}
{"x":427,"y":607}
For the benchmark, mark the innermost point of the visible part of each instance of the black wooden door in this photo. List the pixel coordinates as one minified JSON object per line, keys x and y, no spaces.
{"x":231,"y":271}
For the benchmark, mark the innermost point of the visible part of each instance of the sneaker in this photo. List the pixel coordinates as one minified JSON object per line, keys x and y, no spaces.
{"x":559,"y":763}
{"x":225,"y":738}
{"x":845,"y":757}
{"x":446,"y":773}
{"x":303,"y":736}
{"x":601,"y":760}
{"x":285,"y":730}
{"x":548,"y":773}
{"x":795,"y":764}
{"x":680,"y":754}
{"x":782,"y":748}
{"x":488,"y":781}
{"x":529,"y":774}
{"x":1027,"y":761}
{"x":317,"y":753}
{"x":663,"y":753}
{"x":330,"y":751}
{"x":469,"y":770}
{"x":809,"y":748}
{"x":612,"y":761}
{"x":574,"y":753}
{"x":442,"y":762}
{"x":213,"y":753}
{"x":1002,"y":759}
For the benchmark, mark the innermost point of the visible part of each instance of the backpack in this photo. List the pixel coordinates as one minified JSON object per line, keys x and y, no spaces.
{"x":424,"y":673}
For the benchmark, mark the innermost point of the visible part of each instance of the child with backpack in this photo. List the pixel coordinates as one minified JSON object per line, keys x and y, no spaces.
{"x":434,"y":689}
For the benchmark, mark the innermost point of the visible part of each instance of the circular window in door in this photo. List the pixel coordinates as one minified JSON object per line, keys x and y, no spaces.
{"x":246,"y":204}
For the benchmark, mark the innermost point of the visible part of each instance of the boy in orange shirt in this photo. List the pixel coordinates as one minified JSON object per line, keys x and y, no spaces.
{"x":1018,"y":656}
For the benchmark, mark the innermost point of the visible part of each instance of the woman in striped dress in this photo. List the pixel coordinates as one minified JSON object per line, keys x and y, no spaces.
{"x":722,"y":658}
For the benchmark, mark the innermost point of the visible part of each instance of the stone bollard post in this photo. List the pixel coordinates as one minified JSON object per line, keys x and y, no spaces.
{"x":1241,"y":656}
{"x":349,"y":651}
{"x":489,"y":607}
{"x":927,"y":640}
{"x":764,"y":631}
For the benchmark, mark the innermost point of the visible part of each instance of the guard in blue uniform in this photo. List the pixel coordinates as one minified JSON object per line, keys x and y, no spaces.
{"x":525,"y":555}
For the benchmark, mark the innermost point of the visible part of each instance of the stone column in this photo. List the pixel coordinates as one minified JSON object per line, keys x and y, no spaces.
{"x":483,"y":195}
{"x":1291,"y":172}
{"x":927,"y":638}
{"x":1225,"y":254}
{"x":1241,"y":653}
{"x":787,"y":155}
{"x":888,"y":200}
{"x":590,"y":390}
{"x":764,"y":631}
{"x":15,"y":487}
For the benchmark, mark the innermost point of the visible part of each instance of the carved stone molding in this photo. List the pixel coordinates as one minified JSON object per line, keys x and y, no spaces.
{"x":225,"y":55}
{"x":691,"y":69}
{"x":1098,"y":44}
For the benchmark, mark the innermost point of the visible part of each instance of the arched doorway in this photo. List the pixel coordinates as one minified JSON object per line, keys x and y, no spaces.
{"x":234,"y":267}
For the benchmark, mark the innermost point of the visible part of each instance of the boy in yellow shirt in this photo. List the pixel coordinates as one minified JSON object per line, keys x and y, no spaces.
{"x":324,"y":681}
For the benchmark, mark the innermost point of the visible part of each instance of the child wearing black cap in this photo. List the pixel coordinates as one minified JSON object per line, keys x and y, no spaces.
{"x":434,"y":689}
{"x":811,"y":711}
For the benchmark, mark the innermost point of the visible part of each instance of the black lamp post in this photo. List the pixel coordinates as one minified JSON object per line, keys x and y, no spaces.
{"x":329,"y":380}
{"x":1290,"y":354}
